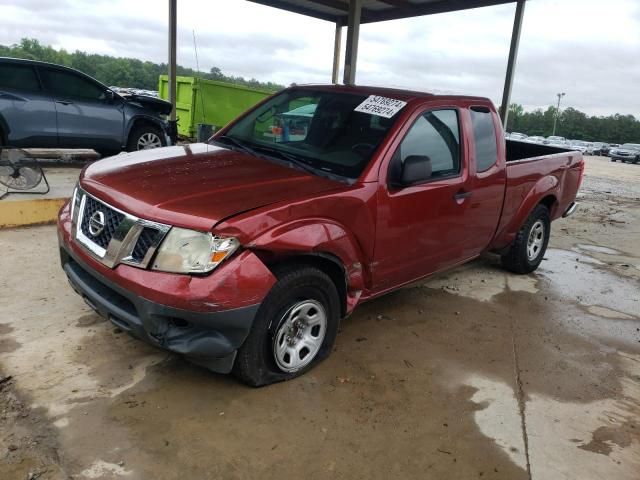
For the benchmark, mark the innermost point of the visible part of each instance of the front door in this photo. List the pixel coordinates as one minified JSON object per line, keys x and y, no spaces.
{"x":87,"y":116}
{"x":421,"y":228}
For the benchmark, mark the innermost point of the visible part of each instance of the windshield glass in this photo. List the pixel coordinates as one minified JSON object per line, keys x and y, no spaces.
{"x":632,"y":146}
{"x":316,"y":130}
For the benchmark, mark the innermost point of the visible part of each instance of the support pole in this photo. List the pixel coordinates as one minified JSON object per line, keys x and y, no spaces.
{"x":353,"y":34}
{"x":513,"y":56}
{"x":173,"y":22}
{"x":337,"y":46}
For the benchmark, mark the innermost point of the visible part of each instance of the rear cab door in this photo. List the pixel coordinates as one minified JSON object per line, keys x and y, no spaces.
{"x":488,"y":177}
{"x":27,"y":113}
{"x":87,"y":116}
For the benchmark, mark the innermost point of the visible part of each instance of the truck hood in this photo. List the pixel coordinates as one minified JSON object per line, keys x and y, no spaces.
{"x":196,"y":186}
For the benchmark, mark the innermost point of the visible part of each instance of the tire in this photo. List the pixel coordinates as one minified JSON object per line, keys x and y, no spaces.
{"x":613,"y":159}
{"x":299,"y":288}
{"x":527,"y":250}
{"x":145,"y":135}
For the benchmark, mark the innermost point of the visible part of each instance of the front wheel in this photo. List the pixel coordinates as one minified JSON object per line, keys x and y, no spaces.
{"x":294,"y":329}
{"x":145,"y":138}
{"x":527,"y":250}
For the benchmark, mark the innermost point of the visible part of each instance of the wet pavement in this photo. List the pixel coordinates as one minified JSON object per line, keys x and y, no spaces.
{"x":476,"y":373}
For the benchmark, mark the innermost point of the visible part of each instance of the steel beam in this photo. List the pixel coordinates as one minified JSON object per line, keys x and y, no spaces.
{"x":173,"y":22}
{"x":353,"y":35}
{"x":337,"y":46}
{"x":511,"y":64}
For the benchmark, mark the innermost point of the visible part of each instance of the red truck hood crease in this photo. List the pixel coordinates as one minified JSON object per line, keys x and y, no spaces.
{"x":196,"y":186}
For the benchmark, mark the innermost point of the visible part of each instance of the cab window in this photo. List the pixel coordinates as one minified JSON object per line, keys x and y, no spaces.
{"x":484,"y":134}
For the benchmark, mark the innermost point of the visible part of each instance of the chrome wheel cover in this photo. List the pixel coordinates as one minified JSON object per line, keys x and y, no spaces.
{"x":149,"y":140}
{"x":300,"y":335}
{"x":535,"y":241}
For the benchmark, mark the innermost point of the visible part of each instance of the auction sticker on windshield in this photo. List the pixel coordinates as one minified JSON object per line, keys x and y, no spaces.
{"x":381,"y":106}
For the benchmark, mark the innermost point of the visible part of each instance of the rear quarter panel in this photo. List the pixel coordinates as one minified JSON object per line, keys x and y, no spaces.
{"x":533,"y":180}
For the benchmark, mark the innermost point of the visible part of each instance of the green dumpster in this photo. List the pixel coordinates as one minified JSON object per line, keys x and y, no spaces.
{"x":200,"y":101}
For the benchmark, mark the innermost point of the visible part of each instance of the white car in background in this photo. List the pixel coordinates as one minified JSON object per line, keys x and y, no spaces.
{"x":517,"y":136}
{"x":535,"y":139}
{"x":581,"y":146}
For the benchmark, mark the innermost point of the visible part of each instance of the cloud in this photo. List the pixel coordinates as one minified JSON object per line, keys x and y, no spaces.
{"x":586,"y":48}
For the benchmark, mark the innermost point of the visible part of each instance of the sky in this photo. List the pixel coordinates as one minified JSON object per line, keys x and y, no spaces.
{"x":589,"y":49}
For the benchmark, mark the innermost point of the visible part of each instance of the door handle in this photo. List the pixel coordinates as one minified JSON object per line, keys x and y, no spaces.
{"x":461,"y":195}
{"x":64,"y":102}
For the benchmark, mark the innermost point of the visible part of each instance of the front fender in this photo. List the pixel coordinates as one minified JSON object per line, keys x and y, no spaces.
{"x":316,"y":236}
{"x":147,"y":118}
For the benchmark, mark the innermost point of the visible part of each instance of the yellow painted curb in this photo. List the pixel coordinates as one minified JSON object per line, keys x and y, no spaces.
{"x":19,"y":213}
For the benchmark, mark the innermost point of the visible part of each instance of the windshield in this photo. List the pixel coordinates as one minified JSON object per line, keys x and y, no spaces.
{"x":632,"y":146}
{"x":316,"y":130}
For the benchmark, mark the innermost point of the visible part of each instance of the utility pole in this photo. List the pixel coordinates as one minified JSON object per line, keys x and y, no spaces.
{"x":555,"y":120}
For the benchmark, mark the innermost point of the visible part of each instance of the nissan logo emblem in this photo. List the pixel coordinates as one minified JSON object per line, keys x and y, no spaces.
{"x":96,"y":223}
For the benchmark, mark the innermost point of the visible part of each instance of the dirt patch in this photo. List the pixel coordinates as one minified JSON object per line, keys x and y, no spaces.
{"x":28,"y":446}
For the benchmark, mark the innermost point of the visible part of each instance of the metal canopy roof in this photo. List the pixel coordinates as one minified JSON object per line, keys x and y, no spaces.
{"x":376,"y":10}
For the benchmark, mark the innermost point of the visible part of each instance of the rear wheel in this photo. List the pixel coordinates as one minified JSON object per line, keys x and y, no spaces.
{"x":294,"y":329}
{"x":527,"y":250}
{"x":145,"y":138}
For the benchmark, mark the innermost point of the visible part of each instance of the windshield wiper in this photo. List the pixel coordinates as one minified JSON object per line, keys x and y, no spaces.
{"x":290,"y":157}
{"x":235,"y":142}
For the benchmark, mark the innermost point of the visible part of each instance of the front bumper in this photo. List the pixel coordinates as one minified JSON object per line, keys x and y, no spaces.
{"x":206,"y":318}
{"x":210,"y":339}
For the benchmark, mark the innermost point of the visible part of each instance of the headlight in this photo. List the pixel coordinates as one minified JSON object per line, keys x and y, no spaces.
{"x":188,"y":251}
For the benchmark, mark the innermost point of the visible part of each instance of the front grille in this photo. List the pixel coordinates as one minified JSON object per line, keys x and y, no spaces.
{"x":112,"y":220}
{"x":124,"y":238}
{"x":147,"y":238}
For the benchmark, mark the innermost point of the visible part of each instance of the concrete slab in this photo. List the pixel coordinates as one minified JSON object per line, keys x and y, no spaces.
{"x":31,"y":208}
{"x":474,"y":374}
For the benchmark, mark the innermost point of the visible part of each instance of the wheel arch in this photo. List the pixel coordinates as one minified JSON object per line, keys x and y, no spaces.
{"x":142,"y":120}
{"x":326,"y":262}
{"x":544,"y":192}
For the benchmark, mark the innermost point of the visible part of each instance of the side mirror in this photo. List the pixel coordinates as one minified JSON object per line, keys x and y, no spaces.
{"x":415,"y":169}
{"x":109,"y":96}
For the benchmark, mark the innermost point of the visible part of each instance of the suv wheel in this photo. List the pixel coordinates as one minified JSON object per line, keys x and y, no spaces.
{"x":527,"y":250}
{"x":144,"y":138}
{"x":294,"y":329}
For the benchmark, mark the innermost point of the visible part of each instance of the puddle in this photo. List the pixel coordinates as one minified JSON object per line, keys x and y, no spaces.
{"x":581,"y":282}
{"x":571,"y":440}
{"x":598,"y":249}
{"x":481,"y":282}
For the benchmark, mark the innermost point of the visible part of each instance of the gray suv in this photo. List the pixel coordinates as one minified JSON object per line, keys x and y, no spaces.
{"x":49,"y":106}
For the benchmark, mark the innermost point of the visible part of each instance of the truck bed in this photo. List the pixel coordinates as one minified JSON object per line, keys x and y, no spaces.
{"x":523,"y":151}
{"x":532,"y":169}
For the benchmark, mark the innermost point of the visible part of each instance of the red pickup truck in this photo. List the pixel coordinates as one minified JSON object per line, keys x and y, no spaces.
{"x":245,"y":253}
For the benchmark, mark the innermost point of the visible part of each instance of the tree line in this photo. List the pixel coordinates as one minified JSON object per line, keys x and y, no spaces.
{"x":118,"y":71}
{"x":574,"y":124}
